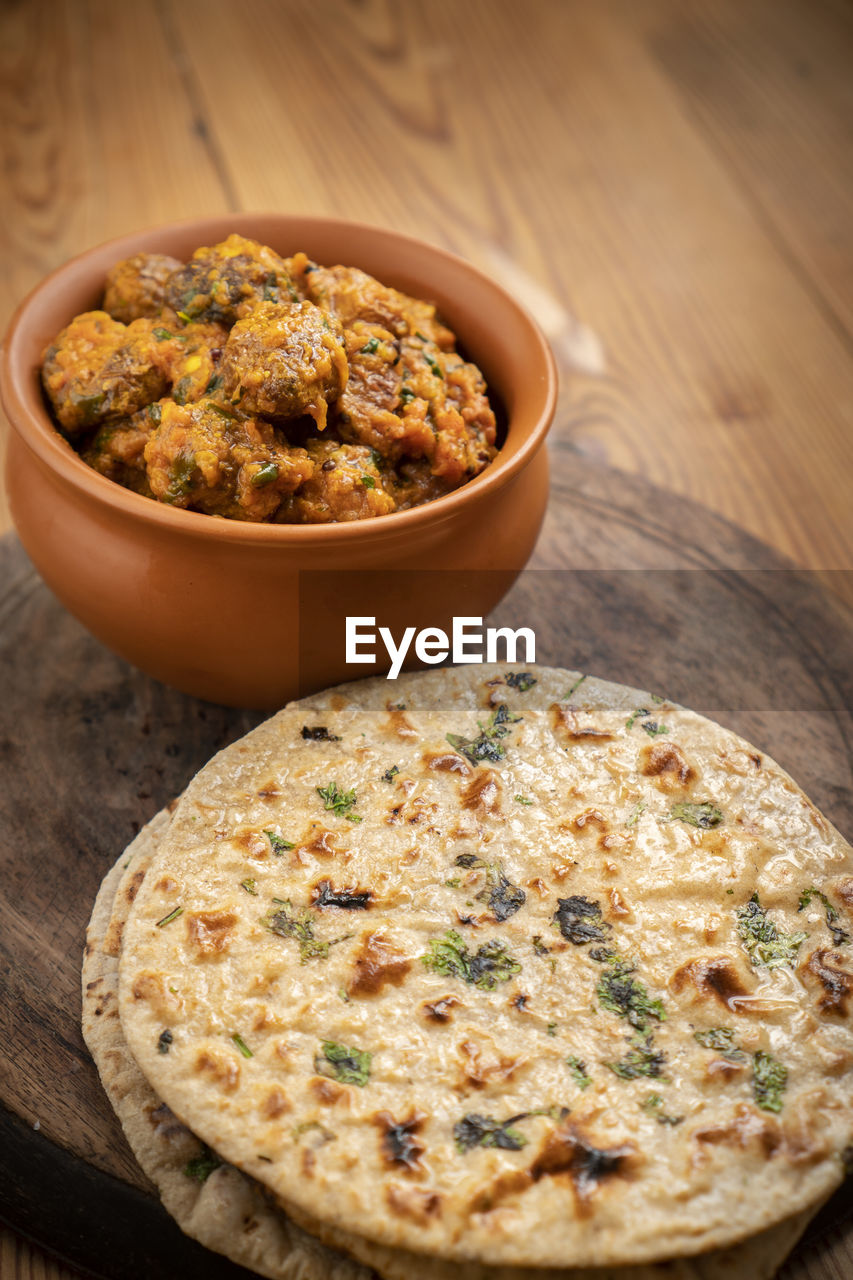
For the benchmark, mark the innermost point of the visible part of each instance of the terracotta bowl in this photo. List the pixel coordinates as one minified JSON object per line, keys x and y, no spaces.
{"x":251,"y":615}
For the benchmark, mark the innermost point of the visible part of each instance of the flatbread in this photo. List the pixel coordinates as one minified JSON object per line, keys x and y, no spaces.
{"x":229,"y":1212}
{"x":225,"y":1210}
{"x":384,"y":1022}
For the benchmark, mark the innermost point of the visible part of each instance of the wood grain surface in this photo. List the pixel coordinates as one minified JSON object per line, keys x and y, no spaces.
{"x":667,"y":184}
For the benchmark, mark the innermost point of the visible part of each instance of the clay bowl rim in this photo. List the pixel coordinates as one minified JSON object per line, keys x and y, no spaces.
{"x":28,"y":415}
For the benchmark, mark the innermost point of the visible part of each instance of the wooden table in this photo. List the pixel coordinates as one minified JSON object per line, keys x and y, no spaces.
{"x":668,"y":184}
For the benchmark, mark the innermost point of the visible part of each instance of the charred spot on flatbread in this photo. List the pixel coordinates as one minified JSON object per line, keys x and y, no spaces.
{"x":578,"y":726}
{"x":483,"y":792}
{"x":824,"y":970}
{"x":665,"y":762}
{"x":419,"y":1205}
{"x":210,"y":932}
{"x":377,"y":963}
{"x":448,"y":762}
{"x":481,"y":1067}
{"x":401,"y":1146}
{"x":133,"y":887}
{"x":218,"y":1068}
{"x":348,"y":898}
{"x":717,"y":977}
{"x":440,"y":1010}
{"x":566,"y":1152}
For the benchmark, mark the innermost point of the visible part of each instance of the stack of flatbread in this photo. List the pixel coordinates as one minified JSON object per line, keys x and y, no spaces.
{"x":483,"y":974}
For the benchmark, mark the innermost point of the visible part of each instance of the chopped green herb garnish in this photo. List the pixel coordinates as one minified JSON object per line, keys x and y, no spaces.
{"x":488,"y":966}
{"x":155,"y":412}
{"x":642,"y":1059}
{"x":162,"y":335}
{"x":504,"y":897}
{"x":652,"y":1104}
{"x":622,"y":994}
{"x":287,"y":924}
{"x":484,"y":1131}
{"x":267,"y":473}
{"x":551,"y":1029}
{"x":522,"y":800}
{"x":249,"y":886}
{"x":390,"y":774}
{"x":579,"y":920}
{"x":769,"y":1080}
{"x":180,"y":478}
{"x":521,"y":680}
{"x":349,"y":1066}
{"x":539,"y":946}
{"x":338,"y":801}
{"x":634,"y":816}
{"x":173,"y":915}
{"x":368,"y":482}
{"x":721,"y":1039}
{"x":651,"y":727}
{"x":182,"y":389}
{"x":202,"y":1166}
{"x":487,"y":746}
{"x":278,"y":843}
{"x":839,"y":936}
{"x":371,"y":346}
{"x":88,"y":407}
{"x":453,"y":884}
{"x":703,"y":814}
{"x":407,"y":395}
{"x":577,"y":684}
{"x":228,"y":414}
{"x":164,"y":1041}
{"x":477,"y":749}
{"x":185,"y":316}
{"x":215,"y":384}
{"x":579,"y":1072}
{"x":242,"y":1046}
{"x":765,"y":944}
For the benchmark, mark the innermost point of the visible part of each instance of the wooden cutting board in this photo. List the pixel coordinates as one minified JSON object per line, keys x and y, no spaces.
{"x":628,"y":583}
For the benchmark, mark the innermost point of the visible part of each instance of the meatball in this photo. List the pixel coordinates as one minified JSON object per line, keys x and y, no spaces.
{"x":190,"y":354}
{"x":99,"y":369}
{"x":117,"y":450}
{"x":285,"y":361}
{"x":346,"y":485}
{"x":224,"y":282}
{"x":136,"y":287}
{"x":352,"y":295}
{"x":206,"y":457}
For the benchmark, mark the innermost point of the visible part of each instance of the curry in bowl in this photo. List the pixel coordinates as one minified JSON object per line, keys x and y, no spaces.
{"x":254,"y":387}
